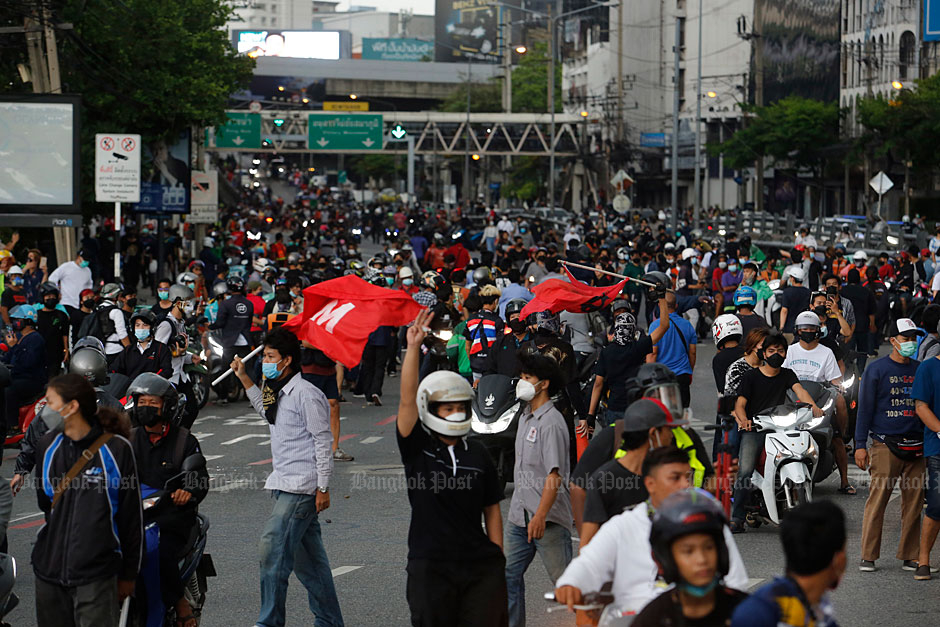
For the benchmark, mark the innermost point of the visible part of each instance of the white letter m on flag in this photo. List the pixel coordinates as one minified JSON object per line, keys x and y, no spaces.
{"x":330,"y":315}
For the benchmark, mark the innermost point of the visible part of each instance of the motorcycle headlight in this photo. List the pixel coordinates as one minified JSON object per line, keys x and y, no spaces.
{"x":813,"y":451}
{"x":502,"y":423}
{"x":848,"y":382}
{"x":444,"y":335}
{"x":782,"y":451}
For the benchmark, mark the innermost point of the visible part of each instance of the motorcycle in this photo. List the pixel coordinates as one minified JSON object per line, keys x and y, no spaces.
{"x":27,"y":411}
{"x":216,"y":366}
{"x":599,"y":608}
{"x":8,"y":599}
{"x":195,"y":564}
{"x":199,"y":376}
{"x":851,"y":381}
{"x":796,"y":455}
{"x":494,"y":420}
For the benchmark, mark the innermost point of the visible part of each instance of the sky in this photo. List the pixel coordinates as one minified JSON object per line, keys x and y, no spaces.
{"x":421,"y":7}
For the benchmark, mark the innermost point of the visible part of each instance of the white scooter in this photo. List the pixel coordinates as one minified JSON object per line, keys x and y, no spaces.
{"x":791,"y":455}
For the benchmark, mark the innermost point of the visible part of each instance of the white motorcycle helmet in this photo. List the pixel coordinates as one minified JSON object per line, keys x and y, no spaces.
{"x":444,"y":386}
{"x":726,"y":326}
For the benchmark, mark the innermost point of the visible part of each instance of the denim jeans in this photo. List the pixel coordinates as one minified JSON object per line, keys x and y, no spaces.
{"x":291,"y":543}
{"x":555,"y":550}
{"x":932,"y":510}
{"x":750,"y":446}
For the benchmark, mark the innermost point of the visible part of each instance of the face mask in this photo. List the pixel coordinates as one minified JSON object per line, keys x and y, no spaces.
{"x":517,"y":326}
{"x":142,"y":335}
{"x":147,"y":416}
{"x":824,"y":332}
{"x":270,"y":370}
{"x":188,"y":308}
{"x":699,"y":591}
{"x":732,"y":268}
{"x":907,"y":349}
{"x":84,"y":264}
{"x":525,"y":391}
{"x":775,"y":361}
{"x":820,"y":311}
{"x":722,"y":265}
{"x":88,"y":304}
{"x":16,"y":280}
{"x":52,"y":418}
{"x":51,"y":303}
{"x":131,"y":302}
{"x":389,"y":281}
{"x":808,"y":336}
{"x":163,"y":294}
{"x":407,"y":282}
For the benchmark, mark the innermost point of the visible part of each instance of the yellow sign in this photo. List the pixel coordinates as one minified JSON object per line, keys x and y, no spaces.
{"x":345,"y":106}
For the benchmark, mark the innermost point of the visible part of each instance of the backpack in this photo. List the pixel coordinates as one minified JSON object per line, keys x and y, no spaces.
{"x":98,"y":324}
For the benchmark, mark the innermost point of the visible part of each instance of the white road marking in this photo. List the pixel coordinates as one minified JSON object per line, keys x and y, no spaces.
{"x":242,"y":438}
{"x":25,"y":516}
{"x":342,"y":570}
{"x":251,"y":421}
{"x":264,"y":442}
{"x":753,"y":583}
{"x":235,"y":485}
{"x":371,"y":439}
{"x":202,"y":436}
{"x":209,"y":458}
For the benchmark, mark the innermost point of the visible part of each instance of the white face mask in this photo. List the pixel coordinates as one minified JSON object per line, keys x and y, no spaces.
{"x":525,"y":391}
{"x":458,"y":416}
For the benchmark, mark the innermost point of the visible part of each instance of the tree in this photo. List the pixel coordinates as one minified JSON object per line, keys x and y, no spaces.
{"x":153,"y":68}
{"x":793,"y":131}
{"x":906,"y":126}
{"x":484,"y":98}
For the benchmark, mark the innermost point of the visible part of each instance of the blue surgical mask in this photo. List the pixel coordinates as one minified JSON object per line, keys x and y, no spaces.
{"x":84,"y":263}
{"x":907,"y":349}
{"x":270,"y":370}
{"x":407,"y":281}
{"x":142,"y":335}
{"x":732,"y":268}
{"x":16,"y":280}
{"x":163,"y":294}
{"x":389,"y":280}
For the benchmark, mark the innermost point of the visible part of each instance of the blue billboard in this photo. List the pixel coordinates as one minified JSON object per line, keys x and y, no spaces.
{"x":931,"y":20}
{"x":397,"y":49}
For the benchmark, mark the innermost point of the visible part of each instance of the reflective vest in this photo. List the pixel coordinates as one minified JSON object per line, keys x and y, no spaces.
{"x":684,"y":443}
{"x":277,"y":319}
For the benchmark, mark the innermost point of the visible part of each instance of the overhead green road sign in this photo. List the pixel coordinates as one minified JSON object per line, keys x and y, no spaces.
{"x":344,"y":131}
{"x":243,"y":130}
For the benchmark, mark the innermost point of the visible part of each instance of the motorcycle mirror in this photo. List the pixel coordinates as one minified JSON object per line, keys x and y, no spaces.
{"x":194,"y":462}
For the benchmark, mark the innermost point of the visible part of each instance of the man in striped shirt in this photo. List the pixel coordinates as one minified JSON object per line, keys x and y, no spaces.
{"x":483,"y":328}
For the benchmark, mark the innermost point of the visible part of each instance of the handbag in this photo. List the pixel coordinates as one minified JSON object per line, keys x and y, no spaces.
{"x":907,"y":447}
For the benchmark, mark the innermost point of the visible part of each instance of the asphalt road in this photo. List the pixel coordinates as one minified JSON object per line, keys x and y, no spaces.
{"x":365,"y":529}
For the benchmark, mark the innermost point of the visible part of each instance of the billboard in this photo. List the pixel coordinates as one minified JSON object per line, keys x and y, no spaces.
{"x":39,"y":153}
{"x":296,"y":44}
{"x":389,"y":49}
{"x":468,"y":28}
{"x":165,"y":176}
{"x":931,"y":20}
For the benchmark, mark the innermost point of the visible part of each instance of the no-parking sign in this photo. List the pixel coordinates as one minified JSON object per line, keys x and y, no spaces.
{"x":117,"y":168}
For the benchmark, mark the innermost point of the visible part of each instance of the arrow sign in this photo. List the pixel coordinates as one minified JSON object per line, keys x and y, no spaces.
{"x":367,"y":142}
{"x":323,"y":142}
{"x":345,"y":131}
{"x":398,"y":132}
{"x":238,"y":141}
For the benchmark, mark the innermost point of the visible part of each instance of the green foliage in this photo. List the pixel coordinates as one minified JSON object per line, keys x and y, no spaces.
{"x":140,"y":66}
{"x":374,"y":167}
{"x":526,"y":179}
{"x":906,"y":125}
{"x":529,"y":88}
{"x":793,"y":130}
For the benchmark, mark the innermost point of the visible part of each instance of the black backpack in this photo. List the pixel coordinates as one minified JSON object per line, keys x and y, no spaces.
{"x":98,"y":324}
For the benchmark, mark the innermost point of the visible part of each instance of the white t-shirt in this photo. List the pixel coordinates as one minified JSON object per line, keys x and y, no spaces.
{"x":71,"y":279}
{"x":817,"y":365}
{"x":113,"y":344}
{"x":935,"y":284}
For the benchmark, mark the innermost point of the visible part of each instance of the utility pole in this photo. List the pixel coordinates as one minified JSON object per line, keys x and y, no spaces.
{"x":620,"y":72}
{"x":675,"y":127}
{"x":759,"y":96}
{"x":698,"y":126}
{"x":551,"y":109}
{"x":466,"y":155}
{"x":507,"y":65}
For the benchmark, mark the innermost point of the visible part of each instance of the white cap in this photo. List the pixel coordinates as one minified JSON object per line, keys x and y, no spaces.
{"x":904,"y":326}
{"x":688,"y":253}
{"x":14,"y":270}
{"x":807,"y":319}
{"x":860,"y":255}
{"x":406,"y":272}
{"x":798,"y":274}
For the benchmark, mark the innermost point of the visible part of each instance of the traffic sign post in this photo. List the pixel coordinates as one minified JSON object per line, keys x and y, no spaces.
{"x":399,"y":134}
{"x":881,"y":184}
{"x":117,"y":178}
{"x":243,"y":130}
{"x":349,"y":131}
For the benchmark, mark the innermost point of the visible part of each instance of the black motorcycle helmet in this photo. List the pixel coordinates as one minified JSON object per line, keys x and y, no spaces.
{"x":235,"y":284}
{"x":90,"y":363}
{"x":150,"y":384}
{"x":685,"y":512}
{"x":144,"y":315}
{"x":516,"y":305}
{"x":48,"y":288}
{"x":482,"y":276}
{"x":656,"y":381}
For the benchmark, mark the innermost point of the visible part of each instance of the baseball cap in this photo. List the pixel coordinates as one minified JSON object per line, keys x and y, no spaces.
{"x":905,"y":327}
{"x":649,"y":413}
{"x":798,"y":273}
{"x":925,"y":252}
{"x":253,"y":285}
{"x":807,"y":319}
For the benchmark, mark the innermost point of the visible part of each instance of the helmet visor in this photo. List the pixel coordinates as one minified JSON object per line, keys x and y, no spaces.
{"x":670,"y":396}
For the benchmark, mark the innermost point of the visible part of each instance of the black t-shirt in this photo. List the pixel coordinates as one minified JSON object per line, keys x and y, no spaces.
{"x":11,"y":298}
{"x":617,"y":364}
{"x":53,"y":326}
{"x":722,"y":361}
{"x":666,"y":610}
{"x":749,"y":323}
{"x":446,"y":508}
{"x":863,"y":302}
{"x":610,"y":491}
{"x":763,"y":392}
{"x":796,"y":299}
{"x":830,"y":340}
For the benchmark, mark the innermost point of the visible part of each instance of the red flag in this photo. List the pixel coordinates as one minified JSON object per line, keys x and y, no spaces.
{"x":339,"y":315}
{"x":557,"y":295}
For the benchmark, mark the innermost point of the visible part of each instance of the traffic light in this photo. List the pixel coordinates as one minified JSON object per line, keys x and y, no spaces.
{"x":399,"y":132}
{"x":279,"y":122}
